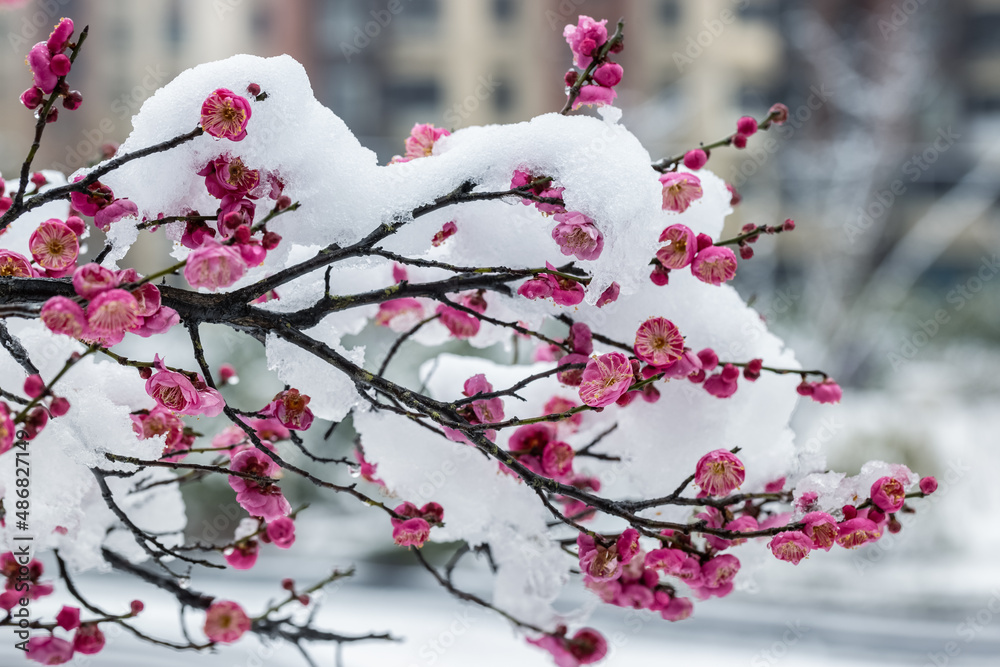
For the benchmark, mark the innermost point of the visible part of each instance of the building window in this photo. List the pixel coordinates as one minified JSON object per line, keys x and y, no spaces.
{"x":174,"y":25}
{"x":407,"y":95}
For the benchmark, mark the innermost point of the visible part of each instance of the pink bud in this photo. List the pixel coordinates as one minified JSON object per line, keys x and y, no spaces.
{"x":53,"y":115}
{"x":746,"y":125}
{"x":571,"y":77}
{"x":739,"y":140}
{"x":253,"y":89}
{"x":608,"y":75}
{"x":288,"y":584}
{"x":778,"y":113}
{"x":270,"y":240}
{"x":928,"y":485}
{"x":32,"y":97}
{"x":136,"y":606}
{"x":788,"y":225}
{"x":73,"y":100}
{"x":284,"y":201}
{"x":34,"y":386}
{"x":76,"y":225}
{"x":227,"y":374}
{"x":746,"y":252}
{"x":59,"y":406}
{"x":695,"y":159}
{"x":60,"y":65}
{"x":850,"y":512}
{"x":704,"y":241}
{"x":805,"y":388}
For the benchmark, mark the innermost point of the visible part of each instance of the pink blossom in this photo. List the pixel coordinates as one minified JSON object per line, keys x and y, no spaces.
{"x":59,"y":37}
{"x":677,"y":610}
{"x":14,"y":264}
{"x":608,"y":74}
{"x":557,"y":460}
{"x":266,"y":501}
{"x":486,"y":410}
{"x":826,"y":391}
{"x":586,"y":647}
{"x":680,"y":190}
{"x":411,"y":533}
{"x":459,"y":323}
{"x":658,"y":342}
{"x":585,"y":38}
{"x":888,"y":494}
{"x":855,"y":532}
{"x":422,"y":138}
{"x":91,"y":279}
{"x":281,"y":531}
{"x":581,"y":339}
{"x":524,"y":178}
{"x":214,"y":266}
{"x":31,"y":98}
{"x":177,"y":392}
{"x":227,"y":175}
{"x":719,"y":472}
{"x":95,"y":197}
{"x":717,"y":576}
{"x":605,"y":379}
{"x":40,"y":63}
{"x":160,"y":421}
{"x":160,"y":321}
{"x":291,"y":408}
{"x":532,"y":438}
{"x":243,"y":556}
{"x":112,"y":313}
{"x":791,"y":546}
{"x":597,"y":562}
{"x":680,"y":248}
{"x":821,"y":528}
{"x":68,"y":618}
{"x":576,"y":235}
{"x":49,"y":650}
{"x":88,"y":639}
{"x":724,"y":383}
{"x":740,"y":141}
{"x":695,"y":159}
{"x":928,"y":485}
{"x":447,"y":231}
{"x":64,"y":316}
{"x":715,"y":265}
{"x":196,"y":232}
{"x":778,"y":113}
{"x":235,"y":211}
{"x":536,"y":288}
{"x":368,"y":470}
{"x":594,"y":96}
{"x":610,"y":295}
{"x":225,"y":622}
{"x":225,"y":114}
{"x":399,"y":314}
{"x":115,"y":211}
{"x":55,"y":247}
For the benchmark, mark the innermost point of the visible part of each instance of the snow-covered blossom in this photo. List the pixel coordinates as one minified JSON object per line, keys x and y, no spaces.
{"x":447,"y":231}
{"x":226,"y":175}
{"x":224,"y":114}
{"x":577,"y":235}
{"x":213,"y":266}
{"x":523,"y":178}
{"x":421,"y":142}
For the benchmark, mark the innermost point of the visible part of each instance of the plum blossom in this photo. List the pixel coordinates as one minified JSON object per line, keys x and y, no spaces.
{"x":548,"y":191}
{"x":695,"y":159}
{"x":68,"y":618}
{"x":719,"y":472}
{"x":585,"y":38}
{"x":291,"y":408}
{"x":411,"y":532}
{"x":586,"y":647}
{"x":680,"y":248}
{"x":242,"y":556}
{"x":724,"y":383}
{"x":227,"y":175}
{"x":605,"y":379}
{"x":88,"y":639}
{"x":225,"y":115}
{"x":399,"y":314}
{"x":49,"y":650}
{"x":183,"y":394}
{"x":597,"y":96}
{"x":112,"y":313}
{"x":64,"y":316}
{"x":7,"y":428}
{"x":281,"y":531}
{"x":267,"y":501}
{"x":610,"y":295}
{"x":421,"y":142}
{"x":928,"y":485}
{"x":821,"y":528}
{"x":888,"y":494}
{"x":717,"y":576}
{"x":854,"y":532}
{"x":55,"y":247}
{"x":447,"y":231}
{"x":225,"y":622}
{"x":680,"y":190}
{"x":577,"y":235}
{"x":791,"y":546}
{"x":658,"y":342}
{"x":14,"y":264}
{"x":214,"y":266}
{"x":715,"y":265}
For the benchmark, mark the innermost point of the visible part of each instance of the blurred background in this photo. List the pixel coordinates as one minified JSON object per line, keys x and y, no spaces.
{"x":889,"y":163}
